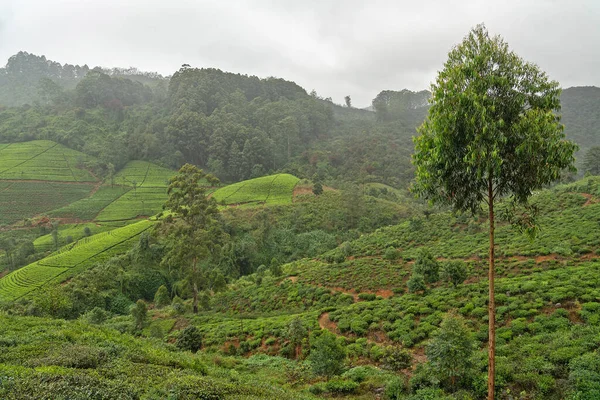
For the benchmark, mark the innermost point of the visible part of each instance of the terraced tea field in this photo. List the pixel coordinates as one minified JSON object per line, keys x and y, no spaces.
{"x":43,"y":160}
{"x":272,"y":189}
{"x":69,"y":260}
{"x":19,"y":200}
{"x":144,"y":201}
{"x":144,"y":174}
{"x":88,"y":208}
{"x":74,"y":231}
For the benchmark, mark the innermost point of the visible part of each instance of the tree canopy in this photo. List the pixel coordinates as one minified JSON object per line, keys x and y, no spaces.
{"x":492,"y":131}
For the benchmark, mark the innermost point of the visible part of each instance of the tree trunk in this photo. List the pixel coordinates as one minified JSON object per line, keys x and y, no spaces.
{"x":491,"y":304}
{"x":195,"y":298}
{"x":195,"y":301}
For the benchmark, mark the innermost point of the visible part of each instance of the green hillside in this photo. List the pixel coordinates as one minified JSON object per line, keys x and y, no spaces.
{"x":80,"y":360}
{"x":43,"y":160}
{"x":143,"y":174}
{"x":141,"y":202}
{"x":272,"y":189}
{"x":548,"y":294}
{"x":21,"y":200}
{"x":69,"y":261}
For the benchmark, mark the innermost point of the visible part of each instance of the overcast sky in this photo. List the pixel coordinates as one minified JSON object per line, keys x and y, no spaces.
{"x":336,"y":47}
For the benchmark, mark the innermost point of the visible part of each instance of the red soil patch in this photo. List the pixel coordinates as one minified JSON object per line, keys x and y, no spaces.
{"x":385,"y":293}
{"x":590,"y":256}
{"x":300,"y":190}
{"x":419,"y":356}
{"x":326,"y":323}
{"x":4,"y":273}
{"x":590,"y":199}
{"x":294,"y":279}
{"x":549,"y":257}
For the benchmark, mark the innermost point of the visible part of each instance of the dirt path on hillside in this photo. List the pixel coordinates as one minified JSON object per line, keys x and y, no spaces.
{"x":326,"y":323}
{"x":590,"y":199}
{"x":300,"y":190}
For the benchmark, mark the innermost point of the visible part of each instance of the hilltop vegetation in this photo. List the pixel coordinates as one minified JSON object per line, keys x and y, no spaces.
{"x":273,"y":189}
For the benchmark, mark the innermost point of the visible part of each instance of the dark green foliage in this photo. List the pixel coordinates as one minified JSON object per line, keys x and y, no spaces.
{"x":449,"y":352}
{"x":514,"y":142}
{"x":193,"y":234}
{"x":139,"y":312}
{"x":162,"y":298}
{"x":454,"y":272}
{"x":427,"y":266}
{"x":395,"y":389}
{"x":367,"y":296}
{"x":416,"y":283}
{"x":96,"y":315}
{"x":397,"y":358}
{"x":341,"y":386}
{"x":296,"y":332}
{"x":591,"y":161}
{"x":391,"y":254}
{"x":189,"y":339}
{"x":405,"y":105}
{"x":317,"y":188}
{"x":326,"y":355}
{"x":178,"y":305}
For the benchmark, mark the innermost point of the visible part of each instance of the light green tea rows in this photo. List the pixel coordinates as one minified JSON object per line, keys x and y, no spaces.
{"x":43,"y":160}
{"x":31,"y":277}
{"x":272,"y":189}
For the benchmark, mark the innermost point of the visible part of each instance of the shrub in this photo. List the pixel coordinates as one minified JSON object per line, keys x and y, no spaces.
{"x":395,"y":390}
{"x":454,"y":272}
{"x":178,"y":305}
{"x":359,"y":374}
{"x":190,"y":339}
{"x":327,"y":355}
{"x":397,"y":358}
{"x":449,"y":352}
{"x":367,"y":296}
{"x":416,"y":283}
{"x":161,"y":298}
{"x":391,"y":254}
{"x":139,"y":312}
{"x":96,"y":316}
{"x":427,"y":266}
{"x":341,"y":386}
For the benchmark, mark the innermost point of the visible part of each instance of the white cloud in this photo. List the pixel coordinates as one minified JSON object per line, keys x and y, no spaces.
{"x":336,"y":47}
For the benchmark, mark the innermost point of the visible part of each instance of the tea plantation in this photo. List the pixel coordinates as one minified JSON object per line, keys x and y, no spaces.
{"x":69,"y":261}
{"x":272,"y":189}
{"x":43,"y":160}
{"x":143,"y":174}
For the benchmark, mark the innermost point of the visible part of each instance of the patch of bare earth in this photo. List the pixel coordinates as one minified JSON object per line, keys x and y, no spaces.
{"x":590,"y":199}
{"x":326,"y":323}
{"x":385,"y":293}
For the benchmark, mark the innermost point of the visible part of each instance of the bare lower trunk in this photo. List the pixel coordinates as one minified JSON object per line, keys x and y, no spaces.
{"x":491,"y":304}
{"x":195,"y":298}
{"x":195,"y":302}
